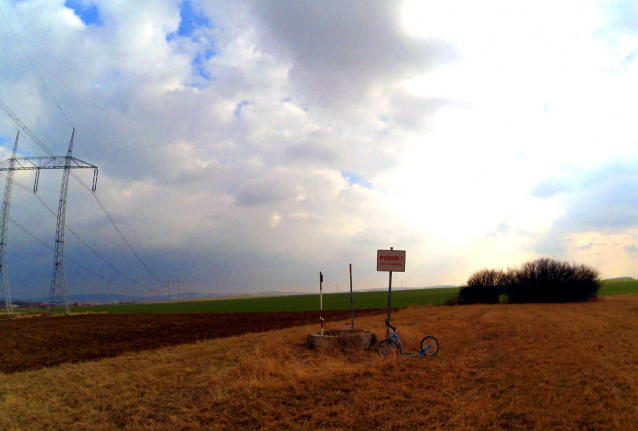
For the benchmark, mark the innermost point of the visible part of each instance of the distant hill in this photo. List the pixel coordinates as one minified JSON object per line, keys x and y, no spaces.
{"x":107,"y":298}
{"x":110,"y":298}
{"x":619,"y":279}
{"x":440,"y":286}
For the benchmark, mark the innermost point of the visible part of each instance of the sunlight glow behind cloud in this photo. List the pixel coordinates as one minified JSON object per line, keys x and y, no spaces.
{"x":251,"y":144}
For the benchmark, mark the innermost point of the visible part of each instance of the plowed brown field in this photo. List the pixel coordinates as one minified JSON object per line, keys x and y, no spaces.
{"x":499,"y":367}
{"x":38,"y":342}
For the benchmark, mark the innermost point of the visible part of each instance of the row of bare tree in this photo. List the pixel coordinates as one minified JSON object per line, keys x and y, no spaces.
{"x":541,"y":280}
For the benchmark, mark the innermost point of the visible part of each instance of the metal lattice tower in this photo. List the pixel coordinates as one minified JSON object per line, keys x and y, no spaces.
{"x":167,"y":284}
{"x":58,"y":279}
{"x":4,"y":226}
{"x":57,"y":292}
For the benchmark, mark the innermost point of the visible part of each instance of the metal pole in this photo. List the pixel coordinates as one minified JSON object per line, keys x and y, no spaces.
{"x":4,"y":225}
{"x":351,"y":303}
{"x":179,"y":284}
{"x":321,"y":300}
{"x":167,"y":284}
{"x":58,"y":290}
{"x":387,"y":330}
{"x":37,"y":179}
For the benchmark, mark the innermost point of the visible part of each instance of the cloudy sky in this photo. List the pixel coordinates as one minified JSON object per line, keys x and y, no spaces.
{"x":245,"y":146}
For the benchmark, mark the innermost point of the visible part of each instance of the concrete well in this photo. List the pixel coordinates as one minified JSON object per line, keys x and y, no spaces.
{"x":363,"y":337}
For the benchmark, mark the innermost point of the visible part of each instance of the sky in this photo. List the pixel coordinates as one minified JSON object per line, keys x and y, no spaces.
{"x":244,"y":146}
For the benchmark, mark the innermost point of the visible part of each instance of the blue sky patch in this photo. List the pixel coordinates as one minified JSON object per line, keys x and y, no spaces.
{"x":354,"y":178}
{"x":88,"y":13}
{"x":240,"y":106}
{"x":191,"y":20}
{"x":199,"y":63}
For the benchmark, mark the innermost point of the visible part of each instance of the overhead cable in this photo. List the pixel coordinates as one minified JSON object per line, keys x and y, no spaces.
{"x":33,"y":67}
{"x":108,"y":215}
{"x":43,"y":146}
{"x":24,"y":128}
{"x":23,"y":229}
{"x":26,"y":189}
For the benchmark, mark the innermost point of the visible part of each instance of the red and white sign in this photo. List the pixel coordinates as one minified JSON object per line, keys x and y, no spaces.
{"x":391,"y":260}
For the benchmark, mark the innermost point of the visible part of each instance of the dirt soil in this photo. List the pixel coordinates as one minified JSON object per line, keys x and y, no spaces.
{"x":39,"y":342}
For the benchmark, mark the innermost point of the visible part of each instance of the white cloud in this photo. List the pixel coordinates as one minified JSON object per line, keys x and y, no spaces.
{"x":284,"y":138}
{"x":340,"y":52}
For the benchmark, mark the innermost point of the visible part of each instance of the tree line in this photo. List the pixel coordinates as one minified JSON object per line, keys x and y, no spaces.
{"x":541,"y":280}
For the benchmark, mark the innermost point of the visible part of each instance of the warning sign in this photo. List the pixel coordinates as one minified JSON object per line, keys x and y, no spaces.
{"x":391,"y":260}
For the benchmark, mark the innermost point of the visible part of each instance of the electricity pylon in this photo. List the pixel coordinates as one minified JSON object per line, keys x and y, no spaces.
{"x":4,"y":226}
{"x":167,"y":284}
{"x":175,"y":284}
{"x":57,"y":291}
{"x":178,"y":284}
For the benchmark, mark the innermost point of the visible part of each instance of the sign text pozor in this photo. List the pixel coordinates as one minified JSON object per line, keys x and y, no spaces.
{"x":391,"y":260}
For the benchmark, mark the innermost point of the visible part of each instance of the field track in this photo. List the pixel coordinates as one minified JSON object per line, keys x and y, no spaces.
{"x":499,"y":367}
{"x":38,"y":342}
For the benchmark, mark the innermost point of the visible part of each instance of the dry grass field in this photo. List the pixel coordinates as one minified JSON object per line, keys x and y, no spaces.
{"x":541,"y":366}
{"x":32,"y":343}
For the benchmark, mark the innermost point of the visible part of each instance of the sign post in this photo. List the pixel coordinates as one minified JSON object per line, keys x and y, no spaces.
{"x":351,"y":303}
{"x":321,"y":300}
{"x":390,"y":260}
{"x":387,"y":330}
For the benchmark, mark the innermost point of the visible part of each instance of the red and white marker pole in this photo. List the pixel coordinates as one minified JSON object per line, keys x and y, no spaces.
{"x":321,"y":300}
{"x":387,"y":329}
{"x":351,"y":303}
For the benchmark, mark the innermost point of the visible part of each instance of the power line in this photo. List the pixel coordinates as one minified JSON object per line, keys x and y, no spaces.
{"x":116,"y":228}
{"x":43,"y":146}
{"x":33,"y":67}
{"x":26,"y":189}
{"x":106,"y":190}
{"x":23,"y":229}
{"x":24,"y":127}
{"x":15,"y":118}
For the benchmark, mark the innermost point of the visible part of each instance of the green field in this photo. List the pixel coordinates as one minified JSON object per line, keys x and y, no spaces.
{"x":618,"y":287}
{"x":332,"y":301}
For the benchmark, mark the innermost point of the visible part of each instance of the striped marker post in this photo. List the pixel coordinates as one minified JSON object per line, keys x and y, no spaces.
{"x":351,"y":303}
{"x":321,"y":301}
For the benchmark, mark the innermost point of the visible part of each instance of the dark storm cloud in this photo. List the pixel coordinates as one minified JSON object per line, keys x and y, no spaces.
{"x":339,"y":49}
{"x":263,"y":192}
{"x":278,"y":149}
